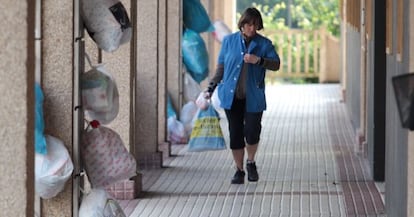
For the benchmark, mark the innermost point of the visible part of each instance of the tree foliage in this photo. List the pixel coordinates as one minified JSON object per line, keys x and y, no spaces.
{"x":305,"y":14}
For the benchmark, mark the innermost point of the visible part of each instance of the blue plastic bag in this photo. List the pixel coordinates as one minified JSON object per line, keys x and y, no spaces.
{"x":40,"y":140}
{"x":195,"y":55}
{"x":195,"y":16}
{"x":206,"y":134}
{"x":170,"y":108}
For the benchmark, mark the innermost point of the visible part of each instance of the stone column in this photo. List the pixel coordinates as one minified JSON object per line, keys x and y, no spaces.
{"x":17,"y":108}
{"x":57,"y":77}
{"x":174,"y":54}
{"x":147,"y":86}
{"x":164,"y":146}
{"x":118,"y":63}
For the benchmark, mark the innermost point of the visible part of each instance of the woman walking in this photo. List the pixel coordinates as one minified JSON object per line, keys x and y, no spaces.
{"x":240,"y":80}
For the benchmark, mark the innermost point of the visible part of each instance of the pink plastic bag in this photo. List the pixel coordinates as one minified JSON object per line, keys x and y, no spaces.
{"x":105,"y":157}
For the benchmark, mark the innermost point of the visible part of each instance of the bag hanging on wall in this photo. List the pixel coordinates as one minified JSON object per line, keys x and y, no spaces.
{"x":100,"y":97}
{"x":107,"y":23}
{"x":98,"y":203}
{"x":40,"y":140}
{"x":195,"y":55}
{"x":187,"y":115}
{"x":220,"y":30}
{"x":195,"y":16}
{"x":106,"y":158}
{"x":206,"y":134}
{"x":53,"y":169}
{"x":191,"y":87}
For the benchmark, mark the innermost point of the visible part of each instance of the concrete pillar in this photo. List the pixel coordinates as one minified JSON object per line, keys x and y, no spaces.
{"x":147,"y":86}
{"x":164,"y":146}
{"x":57,"y":77}
{"x":343,"y":50}
{"x":118,"y":63}
{"x":174,"y":55}
{"x":17,"y":108}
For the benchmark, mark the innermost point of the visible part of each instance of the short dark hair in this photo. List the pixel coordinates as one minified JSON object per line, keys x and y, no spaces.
{"x":251,"y":15}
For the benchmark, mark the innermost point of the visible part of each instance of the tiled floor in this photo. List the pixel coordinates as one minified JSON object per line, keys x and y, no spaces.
{"x":306,"y":161}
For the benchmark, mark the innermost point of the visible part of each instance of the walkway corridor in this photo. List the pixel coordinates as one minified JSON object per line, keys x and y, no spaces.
{"x":306,"y":162}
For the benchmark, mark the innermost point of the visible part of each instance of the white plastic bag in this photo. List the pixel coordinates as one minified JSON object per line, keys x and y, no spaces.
{"x":191,"y":88}
{"x":97,"y":203}
{"x":202,"y":102}
{"x":105,"y":157}
{"x":176,"y":131}
{"x":100,"y":96}
{"x":107,"y":22}
{"x":187,"y":114}
{"x":97,"y":89}
{"x":220,"y":30}
{"x":215,"y":102}
{"x":53,"y":169}
{"x":107,"y":116}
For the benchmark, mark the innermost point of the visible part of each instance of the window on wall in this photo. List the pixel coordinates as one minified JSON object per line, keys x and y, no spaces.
{"x":400,"y":29}
{"x":389,"y":27}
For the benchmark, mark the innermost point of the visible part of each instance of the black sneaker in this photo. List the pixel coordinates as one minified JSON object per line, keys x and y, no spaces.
{"x":238,"y":177}
{"x":252,"y":174}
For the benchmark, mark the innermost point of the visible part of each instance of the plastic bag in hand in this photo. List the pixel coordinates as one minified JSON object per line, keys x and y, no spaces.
{"x":202,"y":102}
{"x":206,"y":134}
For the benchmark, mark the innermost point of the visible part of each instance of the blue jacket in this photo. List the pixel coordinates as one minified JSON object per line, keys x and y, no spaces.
{"x":231,"y":56}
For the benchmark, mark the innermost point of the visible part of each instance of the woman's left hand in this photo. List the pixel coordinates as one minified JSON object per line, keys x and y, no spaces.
{"x":251,"y":58}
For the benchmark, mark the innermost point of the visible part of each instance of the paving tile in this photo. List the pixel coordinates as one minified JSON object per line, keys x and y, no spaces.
{"x":306,"y":161}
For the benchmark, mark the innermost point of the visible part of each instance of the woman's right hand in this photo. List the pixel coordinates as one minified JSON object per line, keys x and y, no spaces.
{"x":206,"y":94}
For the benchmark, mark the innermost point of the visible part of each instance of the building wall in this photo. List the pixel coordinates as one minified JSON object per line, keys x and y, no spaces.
{"x":410,"y":169}
{"x":396,"y":137}
{"x":118,"y":63}
{"x":174,"y":55}
{"x":57,"y":84}
{"x":16,"y":108}
{"x":353,"y":61}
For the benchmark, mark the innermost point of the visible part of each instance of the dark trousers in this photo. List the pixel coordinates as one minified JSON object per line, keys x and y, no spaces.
{"x":244,"y":127}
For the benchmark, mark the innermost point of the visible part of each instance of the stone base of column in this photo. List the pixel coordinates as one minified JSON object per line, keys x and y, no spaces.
{"x":149,"y":160}
{"x":165,"y":148}
{"x":362,"y":146}
{"x":127,"y":189}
